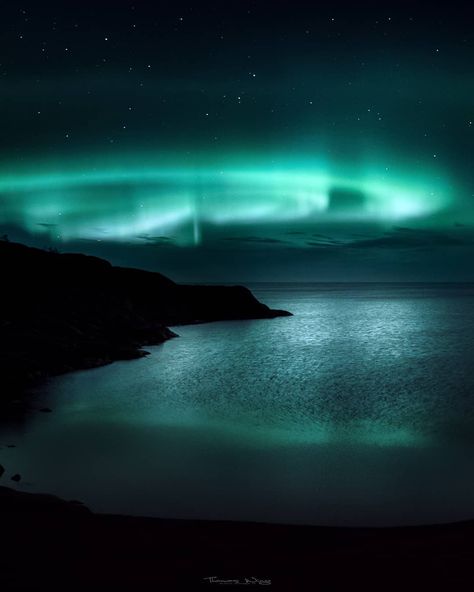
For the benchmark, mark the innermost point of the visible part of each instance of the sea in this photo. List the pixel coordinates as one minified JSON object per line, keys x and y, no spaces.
{"x":358,"y":410}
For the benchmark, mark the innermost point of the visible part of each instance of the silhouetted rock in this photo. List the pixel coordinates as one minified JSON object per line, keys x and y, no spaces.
{"x":63,"y":312}
{"x":2,"y":470}
{"x":16,"y":477}
{"x":12,"y":501}
{"x":56,"y":545}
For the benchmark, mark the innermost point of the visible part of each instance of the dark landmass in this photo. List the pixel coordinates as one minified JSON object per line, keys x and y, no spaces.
{"x":64,"y":312}
{"x":50,"y":544}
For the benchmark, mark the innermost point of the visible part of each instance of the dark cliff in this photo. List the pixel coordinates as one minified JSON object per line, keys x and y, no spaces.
{"x":62,"y":312}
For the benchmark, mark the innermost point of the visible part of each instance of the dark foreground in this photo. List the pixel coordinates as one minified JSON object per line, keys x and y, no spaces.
{"x":49,"y":544}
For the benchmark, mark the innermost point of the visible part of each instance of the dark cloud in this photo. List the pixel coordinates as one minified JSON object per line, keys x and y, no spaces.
{"x":156,"y":240}
{"x":322,"y":240}
{"x":91,"y":241}
{"x":408,"y":238}
{"x":397,"y":238}
{"x":323,"y":244}
{"x":255,"y":239}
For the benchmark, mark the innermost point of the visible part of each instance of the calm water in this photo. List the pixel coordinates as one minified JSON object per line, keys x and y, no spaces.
{"x":357,"y":410}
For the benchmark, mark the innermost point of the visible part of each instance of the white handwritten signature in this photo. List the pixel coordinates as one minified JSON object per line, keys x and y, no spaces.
{"x":239,"y":582}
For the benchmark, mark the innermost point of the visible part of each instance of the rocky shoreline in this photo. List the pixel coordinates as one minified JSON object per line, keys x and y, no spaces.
{"x":65,"y":312}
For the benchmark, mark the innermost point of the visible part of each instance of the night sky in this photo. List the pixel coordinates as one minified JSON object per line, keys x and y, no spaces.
{"x":242,"y":141}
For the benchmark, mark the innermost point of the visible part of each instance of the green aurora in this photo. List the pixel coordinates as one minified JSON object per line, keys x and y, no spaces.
{"x":135,"y":203}
{"x":332,"y":143}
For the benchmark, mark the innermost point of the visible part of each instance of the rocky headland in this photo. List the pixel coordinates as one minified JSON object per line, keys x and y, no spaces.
{"x":64,"y":312}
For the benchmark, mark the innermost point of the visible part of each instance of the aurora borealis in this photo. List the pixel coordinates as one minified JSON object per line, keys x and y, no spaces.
{"x":240,"y":142}
{"x":118,"y":205}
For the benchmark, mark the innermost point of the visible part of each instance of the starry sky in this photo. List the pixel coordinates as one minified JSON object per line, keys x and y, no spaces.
{"x":242,"y":140}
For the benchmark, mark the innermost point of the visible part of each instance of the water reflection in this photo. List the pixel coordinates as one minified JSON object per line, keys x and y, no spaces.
{"x":357,"y":410}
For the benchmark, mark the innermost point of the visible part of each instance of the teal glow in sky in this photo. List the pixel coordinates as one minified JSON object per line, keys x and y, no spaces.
{"x":132,"y":204}
{"x":324,"y":143}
